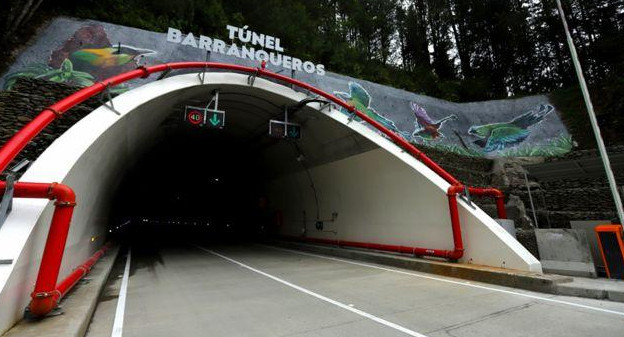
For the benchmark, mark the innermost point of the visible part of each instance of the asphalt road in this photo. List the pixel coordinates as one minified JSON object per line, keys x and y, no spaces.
{"x":254,"y":290}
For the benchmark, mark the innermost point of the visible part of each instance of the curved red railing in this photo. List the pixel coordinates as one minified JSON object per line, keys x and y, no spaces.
{"x":46,"y":286}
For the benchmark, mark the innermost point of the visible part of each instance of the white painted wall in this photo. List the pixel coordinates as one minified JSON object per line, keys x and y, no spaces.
{"x":384,"y":195}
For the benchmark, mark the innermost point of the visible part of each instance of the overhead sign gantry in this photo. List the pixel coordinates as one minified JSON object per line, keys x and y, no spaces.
{"x":284,"y":129}
{"x":206,"y":116}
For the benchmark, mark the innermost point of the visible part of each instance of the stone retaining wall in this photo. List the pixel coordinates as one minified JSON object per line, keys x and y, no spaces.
{"x":25,"y":100}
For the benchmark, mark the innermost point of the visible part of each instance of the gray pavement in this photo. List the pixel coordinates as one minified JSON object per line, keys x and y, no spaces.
{"x":253,"y":290}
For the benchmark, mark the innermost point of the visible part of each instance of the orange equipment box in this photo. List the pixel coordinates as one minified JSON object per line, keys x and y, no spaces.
{"x":611,"y":247}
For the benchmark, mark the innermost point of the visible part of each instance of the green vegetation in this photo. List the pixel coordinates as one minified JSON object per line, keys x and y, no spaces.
{"x":65,"y":74}
{"x":608,"y":99}
{"x":459,"y":50}
{"x":555,"y":147}
{"x":453,"y":149}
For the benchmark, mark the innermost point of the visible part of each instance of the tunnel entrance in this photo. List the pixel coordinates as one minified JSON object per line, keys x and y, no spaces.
{"x":193,"y":181}
{"x":213,"y":184}
{"x":132,"y":162}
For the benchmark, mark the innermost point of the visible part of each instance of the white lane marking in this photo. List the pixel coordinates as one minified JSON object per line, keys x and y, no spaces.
{"x":320,"y":297}
{"x":121,"y":300}
{"x":467,"y":284}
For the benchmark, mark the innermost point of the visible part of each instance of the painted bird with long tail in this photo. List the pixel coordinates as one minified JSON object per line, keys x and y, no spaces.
{"x":425,"y":127}
{"x":361,"y":100}
{"x":108,"y":57}
{"x":498,"y":136}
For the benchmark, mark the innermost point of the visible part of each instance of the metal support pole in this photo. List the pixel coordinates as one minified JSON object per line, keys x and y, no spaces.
{"x":6,"y":203}
{"x":526,"y":180}
{"x":202,"y":75}
{"x":108,"y":100}
{"x":592,"y":116}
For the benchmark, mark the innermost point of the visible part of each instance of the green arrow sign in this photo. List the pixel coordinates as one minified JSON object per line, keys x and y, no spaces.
{"x":293,"y":131}
{"x":216,"y":118}
{"x":281,"y":129}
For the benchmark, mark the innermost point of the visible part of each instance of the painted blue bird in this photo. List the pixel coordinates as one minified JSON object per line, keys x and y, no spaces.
{"x":498,"y":136}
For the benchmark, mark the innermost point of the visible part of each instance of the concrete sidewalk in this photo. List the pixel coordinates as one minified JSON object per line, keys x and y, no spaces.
{"x":599,"y":288}
{"x":77,"y":306}
{"x":547,"y":283}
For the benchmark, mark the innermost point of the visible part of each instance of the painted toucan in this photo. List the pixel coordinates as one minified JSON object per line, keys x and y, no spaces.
{"x":361,"y":100}
{"x":498,"y":136}
{"x":425,"y":127}
{"x":108,"y":57}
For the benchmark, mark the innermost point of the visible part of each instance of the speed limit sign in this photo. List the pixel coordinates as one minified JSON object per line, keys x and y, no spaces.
{"x":194,"y":116}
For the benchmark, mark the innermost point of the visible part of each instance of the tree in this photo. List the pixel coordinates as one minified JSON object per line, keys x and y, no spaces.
{"x":14,"y":14}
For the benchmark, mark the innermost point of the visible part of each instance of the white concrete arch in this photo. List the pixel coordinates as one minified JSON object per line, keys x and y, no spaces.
{"x":381,"y":193}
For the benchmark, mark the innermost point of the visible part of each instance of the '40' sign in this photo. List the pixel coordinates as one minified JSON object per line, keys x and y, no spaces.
{"x":204,"y":117}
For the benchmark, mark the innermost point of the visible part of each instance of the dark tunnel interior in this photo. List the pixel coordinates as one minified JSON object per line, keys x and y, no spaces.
{"x":199,"y":182}
{"x":193,"y":184}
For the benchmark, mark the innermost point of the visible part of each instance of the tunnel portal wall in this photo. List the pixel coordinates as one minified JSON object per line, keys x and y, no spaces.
{"x":386,"y":196}
{"x":383,"y":195}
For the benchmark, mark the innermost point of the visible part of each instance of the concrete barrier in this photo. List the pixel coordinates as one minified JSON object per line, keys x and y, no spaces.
{"x":508,"y":225}
{"x":588,"y":227}
{"x":565,"y":251}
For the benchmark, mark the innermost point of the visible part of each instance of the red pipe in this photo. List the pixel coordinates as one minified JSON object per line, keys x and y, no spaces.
{"x":492,"y":192}
{"x":81,"y":271}
{"x":43,"y":302}
{"x":43,"y":295}
{"x":16,"y":144}
{"x":458,"y":251}
{"x":382,"y":247}
{"x":500,"y":208}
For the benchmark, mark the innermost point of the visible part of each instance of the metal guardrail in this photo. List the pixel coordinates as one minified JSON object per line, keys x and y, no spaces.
{"x":6,"y":203}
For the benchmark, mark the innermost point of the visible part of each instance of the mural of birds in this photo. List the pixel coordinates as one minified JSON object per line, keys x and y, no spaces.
{"x":361,"y":100}
{"x":107,"y":57}
{"x":498,"y":136}
{"x":425,"y":127}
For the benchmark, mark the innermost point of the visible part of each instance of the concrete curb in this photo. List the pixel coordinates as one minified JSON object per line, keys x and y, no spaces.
{"x":599,"y":291}
{"x":546,"y":283}
{"x":80,"y":304}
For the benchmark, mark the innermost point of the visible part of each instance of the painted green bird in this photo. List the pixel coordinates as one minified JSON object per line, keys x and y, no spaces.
{"x":498,"y":136}
{"x":361,"y":100}
{"x":108,"y":57}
